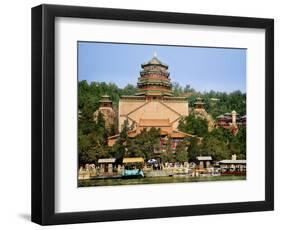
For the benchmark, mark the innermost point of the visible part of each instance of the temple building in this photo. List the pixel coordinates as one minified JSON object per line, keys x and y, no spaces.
{"x":107,"y":111}
{"x":153,"y":105}
{"x":199,"y":111}
{"x":231,"y":121}
{"x":199,"y":104}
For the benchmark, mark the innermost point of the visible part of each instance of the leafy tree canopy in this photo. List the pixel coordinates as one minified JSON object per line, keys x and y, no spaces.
{"x":193,"y":125}
{"x":219,"y":143}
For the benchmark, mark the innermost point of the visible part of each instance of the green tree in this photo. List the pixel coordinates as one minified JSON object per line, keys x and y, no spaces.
{"x":168,"y":155}
{"x":238,"y":143}
{"x":145,"y":143}
{"x":119,"y":149}
{"x":195,"y":149}
{"x":193,"y":125}
{"x":91,"y":147}
{"x":129,"y":90}
{"x":181,"y":153}
{"x":219,"y":144}
{"x":216,"y":148}
{"x":92,"y":136}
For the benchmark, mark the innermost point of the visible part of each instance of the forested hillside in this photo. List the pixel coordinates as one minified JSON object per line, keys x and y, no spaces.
{"x":220,"y":143}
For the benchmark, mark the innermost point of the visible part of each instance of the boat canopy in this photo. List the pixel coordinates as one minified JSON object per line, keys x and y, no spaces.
{"x":133,"y":160}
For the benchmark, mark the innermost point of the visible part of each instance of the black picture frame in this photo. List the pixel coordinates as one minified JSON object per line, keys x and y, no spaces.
{"x":43,"y":114}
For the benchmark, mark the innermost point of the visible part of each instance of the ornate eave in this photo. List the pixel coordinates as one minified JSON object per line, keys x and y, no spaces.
{"x":154,"y":79}
{"x":155,"y":62}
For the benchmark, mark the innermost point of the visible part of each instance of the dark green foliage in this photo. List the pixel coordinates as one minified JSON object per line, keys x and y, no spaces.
{"x":144,"y":144}
{"x":216,"y":103}
{"x":181,"y":153}
{"x":195,"y":149}
{"x":222,"y":143}
{"x":90,"y":94}
{"x":219,"y":143}
{"x":193,"y":125}
{"x":129,"y":90}
{"x":119,"y":149}
{"x":168,"y":156}
{"x":92,"y":143}
{"x":215,"y":146}
{"x":92,"y":135}
{"x":238,"y":143}
{"x":180,"y":91}
{"x":93,"y":150}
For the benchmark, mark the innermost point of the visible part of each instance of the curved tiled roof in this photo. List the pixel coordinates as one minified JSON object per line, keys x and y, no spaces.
{"x":155,"y":61}
{"x":155,"y":74}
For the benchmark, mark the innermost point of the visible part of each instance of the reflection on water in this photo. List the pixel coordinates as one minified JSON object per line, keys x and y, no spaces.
{"x":154,"y":180}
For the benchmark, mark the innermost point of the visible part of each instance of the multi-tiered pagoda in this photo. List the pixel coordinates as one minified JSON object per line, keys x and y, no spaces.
{"x":154,"y":81}
{"x":107,"y":111}
{"x":153,"y":105}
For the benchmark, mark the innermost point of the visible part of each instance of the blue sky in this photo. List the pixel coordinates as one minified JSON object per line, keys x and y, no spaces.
{"x":204,"y":69}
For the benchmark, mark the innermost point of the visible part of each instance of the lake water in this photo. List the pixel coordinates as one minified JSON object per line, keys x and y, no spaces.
{"x":154,"y":180}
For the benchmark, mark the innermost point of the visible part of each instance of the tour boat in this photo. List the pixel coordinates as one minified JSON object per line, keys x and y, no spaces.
{"x":133,"y":167}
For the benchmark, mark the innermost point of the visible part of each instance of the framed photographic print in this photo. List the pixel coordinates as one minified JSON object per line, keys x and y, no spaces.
{"x":143,"y":114}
